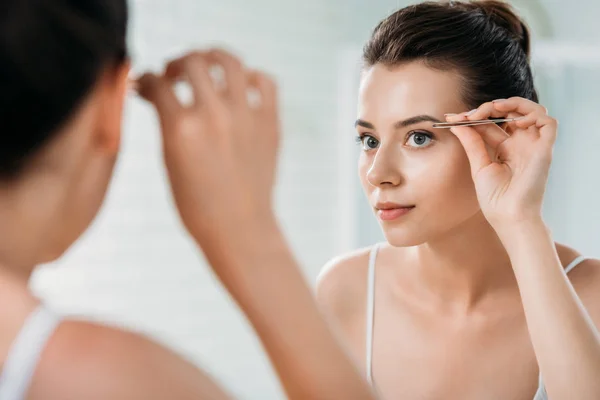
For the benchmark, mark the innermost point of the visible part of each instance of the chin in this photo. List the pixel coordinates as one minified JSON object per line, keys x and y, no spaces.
{"x":60,"y":244}
{"x":54,"y":254}
{"x":404,"y":236}
{"x":403,"y":241}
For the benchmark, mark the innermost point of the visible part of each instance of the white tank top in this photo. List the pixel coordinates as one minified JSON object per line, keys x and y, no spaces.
{"x":24,"y":354}
{"x":539,"y":395}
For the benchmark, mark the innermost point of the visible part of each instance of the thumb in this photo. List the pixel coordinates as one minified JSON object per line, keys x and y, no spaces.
{"x":474,"y":146}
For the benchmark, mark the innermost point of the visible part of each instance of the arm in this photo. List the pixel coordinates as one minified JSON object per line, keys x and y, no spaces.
{"x":510,"y":187}
{"x":266,"y":281}
{"x":565,"y":340}
{"x":220,"y":153}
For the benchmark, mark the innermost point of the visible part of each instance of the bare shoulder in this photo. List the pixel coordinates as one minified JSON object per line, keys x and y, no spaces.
{"x":566,"y":254}
{"x":585,"y":278}
{"x":587,"y":270}
{"x":91,"y":361}
{"x":342,"y":284}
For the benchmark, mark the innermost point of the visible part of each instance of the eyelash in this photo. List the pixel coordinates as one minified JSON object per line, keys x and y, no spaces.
{"x":361,"y":137}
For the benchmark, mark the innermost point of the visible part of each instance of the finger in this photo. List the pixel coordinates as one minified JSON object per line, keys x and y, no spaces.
{"x":527,"y":120}
{"x":267,"y":107}
{"x":235,"y":75}
{"x":456,"y":117}
{"x":267,"y":90}
{"x":519,"y":105}
{"x":509,"y":127}
{"x":485,"y":111}
{"x":159,"y":91}
{"x":548,"y":128}
{"x":194,"y":68}
{"x":492,"y":134}
{"x":534,"y":115}
{"x":474,"y":146}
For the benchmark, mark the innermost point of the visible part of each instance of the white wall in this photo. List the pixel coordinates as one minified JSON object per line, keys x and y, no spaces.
{"x":573,"y":94}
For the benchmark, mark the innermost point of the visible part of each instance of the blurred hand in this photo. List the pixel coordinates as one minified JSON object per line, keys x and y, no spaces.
{"x":220,"y":151}
{"x":511,"y":172}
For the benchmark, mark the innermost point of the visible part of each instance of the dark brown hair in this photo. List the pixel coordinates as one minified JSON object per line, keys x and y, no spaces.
{"x":485,"y":41}
{"x":51,"y":55}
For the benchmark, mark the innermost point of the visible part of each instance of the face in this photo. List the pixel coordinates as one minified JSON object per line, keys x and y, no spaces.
{"x":416,"y":178}
{"x":94,"y":152}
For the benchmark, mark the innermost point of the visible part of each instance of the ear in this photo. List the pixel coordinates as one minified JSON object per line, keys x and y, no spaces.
{"x":113,"y":89}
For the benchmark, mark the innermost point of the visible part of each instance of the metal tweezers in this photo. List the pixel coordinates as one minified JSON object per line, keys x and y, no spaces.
{"x":442,"y":125}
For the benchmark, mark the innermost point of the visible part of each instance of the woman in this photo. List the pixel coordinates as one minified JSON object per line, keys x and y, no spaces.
{"x":64,"y":73}
{"x":469,"y":297}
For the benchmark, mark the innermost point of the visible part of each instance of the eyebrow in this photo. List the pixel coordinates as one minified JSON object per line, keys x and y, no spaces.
{"x":401,"y":124}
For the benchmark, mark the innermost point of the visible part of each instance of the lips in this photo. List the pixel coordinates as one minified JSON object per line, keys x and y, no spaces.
{"x":392,"y":211}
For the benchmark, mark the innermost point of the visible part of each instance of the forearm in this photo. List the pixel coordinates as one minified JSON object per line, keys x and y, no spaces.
{"x":566,"y":343}
{"x":262,"y":275}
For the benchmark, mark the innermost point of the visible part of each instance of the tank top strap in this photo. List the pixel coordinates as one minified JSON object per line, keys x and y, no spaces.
{"x":25,"y":353}
{"x":370,"y":311}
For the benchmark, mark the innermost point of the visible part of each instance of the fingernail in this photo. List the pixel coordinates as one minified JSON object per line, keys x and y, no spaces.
{"x":471,"y":112}
{"x":498,"y":100}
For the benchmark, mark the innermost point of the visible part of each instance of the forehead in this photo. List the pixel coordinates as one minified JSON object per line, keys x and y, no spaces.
{"x":399,"y":92}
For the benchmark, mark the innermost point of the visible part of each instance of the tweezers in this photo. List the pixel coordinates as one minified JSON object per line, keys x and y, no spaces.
{"x":442,"y":125}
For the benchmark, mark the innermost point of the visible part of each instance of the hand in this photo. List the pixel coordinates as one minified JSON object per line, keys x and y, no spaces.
{"x":220,"y":151}
{"x":509,"y":166}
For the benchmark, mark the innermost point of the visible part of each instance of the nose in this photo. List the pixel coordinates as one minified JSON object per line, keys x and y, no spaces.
{"x":385,"y":169}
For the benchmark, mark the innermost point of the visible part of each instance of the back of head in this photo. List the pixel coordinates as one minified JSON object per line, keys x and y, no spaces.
{"x":485,"y":41}
{"x":51,"y":55}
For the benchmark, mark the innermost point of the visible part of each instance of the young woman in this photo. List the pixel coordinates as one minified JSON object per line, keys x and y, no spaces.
{"x":469,"y":298}
{"x":64,"y":73}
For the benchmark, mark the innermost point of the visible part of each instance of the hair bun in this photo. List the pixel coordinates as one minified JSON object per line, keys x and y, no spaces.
{"x":504,"y":15}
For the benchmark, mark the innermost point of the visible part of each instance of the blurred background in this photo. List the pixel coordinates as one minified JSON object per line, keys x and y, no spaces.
{"x":136,"y":268}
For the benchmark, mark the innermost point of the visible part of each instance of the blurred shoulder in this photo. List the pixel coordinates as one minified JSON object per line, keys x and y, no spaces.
{"x":92,"y":361}
{"x":84,"y":359}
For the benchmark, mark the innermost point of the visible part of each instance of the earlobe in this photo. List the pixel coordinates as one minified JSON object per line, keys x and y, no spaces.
{"x":114,"y":89}
{"x":109,"y":141}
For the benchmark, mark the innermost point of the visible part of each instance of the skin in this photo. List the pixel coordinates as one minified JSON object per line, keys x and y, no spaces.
{"x":57,"y":196}
{"x":471,"y":298}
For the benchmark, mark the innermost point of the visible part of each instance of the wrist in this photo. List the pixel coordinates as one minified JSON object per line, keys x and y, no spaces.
{"x":511,"y":226}
{"x":516,"y":234}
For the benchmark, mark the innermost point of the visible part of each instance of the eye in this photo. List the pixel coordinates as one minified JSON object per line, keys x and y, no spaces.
{"x":368,"y":142}
{"x":419,"y":139}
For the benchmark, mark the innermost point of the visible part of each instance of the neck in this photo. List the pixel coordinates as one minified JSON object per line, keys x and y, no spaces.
{"x":27,"y":208}
{"x":34,"y":206}
{"x":464,"y":266}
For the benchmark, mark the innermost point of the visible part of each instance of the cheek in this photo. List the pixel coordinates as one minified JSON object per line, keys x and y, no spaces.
{"x":446,"y":181}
